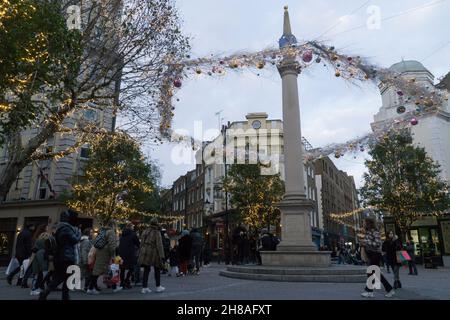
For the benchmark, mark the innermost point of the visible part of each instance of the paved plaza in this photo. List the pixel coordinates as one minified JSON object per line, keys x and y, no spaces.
{"x":429,"y":284}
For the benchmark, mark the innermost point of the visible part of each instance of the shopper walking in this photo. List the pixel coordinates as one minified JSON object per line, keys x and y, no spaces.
{"x":394,"y":245}
{"x":184,"y":251}
{"x":371,"y":242}
{"x":23,"y":251}
{"x":66,"y":236}
{"x":384,"y":249}
{"x":128,"y":246}
{"x":105,"y":245}
{"x":196,"y":251}
{"x":151,"y":255}
{"x":39,"y":263}
{"x":85,"y":247}
{"x":411,"y":252}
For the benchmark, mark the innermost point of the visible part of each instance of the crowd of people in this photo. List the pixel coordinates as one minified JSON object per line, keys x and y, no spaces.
{"x":44,"y":254}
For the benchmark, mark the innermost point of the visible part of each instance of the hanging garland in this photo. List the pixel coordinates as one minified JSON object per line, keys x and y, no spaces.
{"x":351,"y":68}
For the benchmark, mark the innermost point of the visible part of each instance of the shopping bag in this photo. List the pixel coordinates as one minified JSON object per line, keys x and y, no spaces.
{"x":113,"y":276}
{"x":23,"y":268}
{"x":91,"y":257}
{"x":13,"y":265}
{"x":403,"y":257}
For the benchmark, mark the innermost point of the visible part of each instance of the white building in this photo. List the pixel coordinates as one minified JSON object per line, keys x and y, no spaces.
{"x":432,"y":133}
{"x":433,"y":130}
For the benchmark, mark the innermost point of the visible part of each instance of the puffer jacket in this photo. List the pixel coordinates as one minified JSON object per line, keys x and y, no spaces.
{"x":66,"y":237}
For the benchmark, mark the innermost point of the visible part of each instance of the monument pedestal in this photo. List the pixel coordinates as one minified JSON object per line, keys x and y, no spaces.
{"x":296,"y":248}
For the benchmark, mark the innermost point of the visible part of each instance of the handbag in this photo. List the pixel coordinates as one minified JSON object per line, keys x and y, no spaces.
{"x":100,"y":241}
{"x":13,"y":265}
{"x":403,"y":257}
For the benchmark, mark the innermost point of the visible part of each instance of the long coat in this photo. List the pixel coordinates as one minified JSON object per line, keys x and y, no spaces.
{"x":40,"y":261}
{"x":23,"y":244}
{"x":184,"y":248}
{"x":103,"y":256}
{"x":151,"y":252}
{"x":128,"y":245}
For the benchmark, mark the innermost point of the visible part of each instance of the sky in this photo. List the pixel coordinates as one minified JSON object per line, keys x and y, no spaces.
{"x":331,"y":109}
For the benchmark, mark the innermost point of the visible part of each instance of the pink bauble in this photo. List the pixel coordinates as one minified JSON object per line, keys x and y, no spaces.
{"x":414,"y":121}
{"x":177,"y":83}
{"x":307,"y":56}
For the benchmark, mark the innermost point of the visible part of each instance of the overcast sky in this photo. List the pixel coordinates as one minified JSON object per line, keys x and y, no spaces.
{"x":331,"y":109}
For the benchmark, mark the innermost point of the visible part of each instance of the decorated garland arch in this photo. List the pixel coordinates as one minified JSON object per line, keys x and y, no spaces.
{"x":354,"y":69}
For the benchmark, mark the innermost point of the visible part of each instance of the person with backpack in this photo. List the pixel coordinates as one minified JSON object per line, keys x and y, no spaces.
{"x":105,"y":245}
{"x":23,"y":251}
{"x":85,"y":247}
{"x":66,"y":236}
{"x":371,"y":242}
{"x":128,"y":245}
{"x":151,"y":255}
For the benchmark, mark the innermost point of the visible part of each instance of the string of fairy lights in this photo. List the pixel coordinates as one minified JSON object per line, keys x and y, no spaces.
{"x":415,"y":100}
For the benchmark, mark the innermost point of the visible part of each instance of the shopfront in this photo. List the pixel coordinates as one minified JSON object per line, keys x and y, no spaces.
{"x":431,"y":237}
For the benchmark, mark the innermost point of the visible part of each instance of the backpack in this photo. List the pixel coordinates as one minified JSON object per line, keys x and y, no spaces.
{"x":100,"y":241}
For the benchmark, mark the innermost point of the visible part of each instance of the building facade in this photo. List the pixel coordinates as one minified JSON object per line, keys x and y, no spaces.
{"x":430,"y":235}
{"x":336,"y":194}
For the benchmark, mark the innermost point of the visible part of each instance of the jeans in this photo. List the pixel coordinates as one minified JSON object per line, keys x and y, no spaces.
{"x":157,"y":272}
{"x":412,"y":267}
{"x":125,"y":280}
{"x":386,"y":262}
{"x":396,"y":269}
{"x":375,"y":259}
{"x":196,"y":257}
{"x":60,"y":276}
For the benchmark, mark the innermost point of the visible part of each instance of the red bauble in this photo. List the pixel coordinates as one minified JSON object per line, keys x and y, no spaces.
{"x":177,"y":83}
{"x":414,"y":121}
{"x":307,"y":56}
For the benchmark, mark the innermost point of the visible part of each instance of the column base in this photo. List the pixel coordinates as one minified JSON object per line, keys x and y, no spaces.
{"x":296,"y":258}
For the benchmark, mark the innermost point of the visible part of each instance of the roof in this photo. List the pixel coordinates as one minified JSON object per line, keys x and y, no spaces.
{"x":408,"y":66}
{"x":444,"y":83}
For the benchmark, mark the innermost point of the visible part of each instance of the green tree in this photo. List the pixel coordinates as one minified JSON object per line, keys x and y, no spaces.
{"x":403,"y":181}
{"x":254,"y":196}
{"x":117,"y":180}
{"x":119,"y":64}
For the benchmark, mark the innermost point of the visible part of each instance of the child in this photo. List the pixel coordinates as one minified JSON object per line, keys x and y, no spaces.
{"x":173,"y":260}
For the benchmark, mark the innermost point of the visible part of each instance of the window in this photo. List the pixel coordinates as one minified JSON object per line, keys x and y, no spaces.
{"x":90,"y":115}
{"x":84,"y":152}
{"x":42,"y":190}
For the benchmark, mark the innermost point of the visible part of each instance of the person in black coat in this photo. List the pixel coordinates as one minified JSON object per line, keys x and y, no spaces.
{"x":394,"y":244}
{"x":196,"y":250}
{"x":184,"y":251}
{"x":166,"y":246}
{"x":23,"y":250}
{"x":128,"y":245}
{"x":173,"y":261}
{"x":66,"y":236}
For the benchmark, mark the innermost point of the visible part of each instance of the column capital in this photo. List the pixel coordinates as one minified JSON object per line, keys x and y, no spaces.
{"x":289,"y":67}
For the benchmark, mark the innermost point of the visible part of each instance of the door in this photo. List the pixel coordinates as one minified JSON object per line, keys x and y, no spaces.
{"x":430,"y":246}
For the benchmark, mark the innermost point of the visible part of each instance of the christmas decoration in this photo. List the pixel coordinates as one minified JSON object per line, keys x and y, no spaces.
{"x":401,"y":109}
{"x":414,"y":121}
{"x":307,"y":56}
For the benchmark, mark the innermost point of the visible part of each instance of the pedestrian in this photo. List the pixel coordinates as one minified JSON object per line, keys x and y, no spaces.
{"x":173,"y":261}
{"x":411,"y":252}
{"x":394,"y":245}
{"x":151,"y":255}
{"x":196,"y":250}
{"x":265,"y":244}
{"x":384,"y":249}
{"x":128,"y":246}
{"x":206,"y":254}
{"x":184,"y":251}
{"x":85,"y":247}
{"x":252,"y":249}
{"x":371,"y":242}
{"x":166,"y":246}
{"x":67,"y":236}
{"x":105,"y":245}
{"x":23,"y":251}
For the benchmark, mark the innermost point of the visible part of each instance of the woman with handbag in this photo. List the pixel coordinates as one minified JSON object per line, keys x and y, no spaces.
{"x":105,"y":245}
{"x":371,"y":242}
{"x":151,"y":254}
{"x":393,"y":246}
